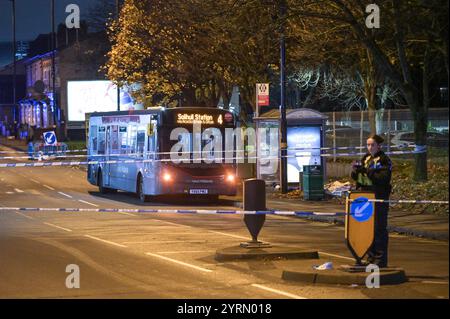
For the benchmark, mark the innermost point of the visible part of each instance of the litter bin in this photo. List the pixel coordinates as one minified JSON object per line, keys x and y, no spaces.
{"x":313,"y":182}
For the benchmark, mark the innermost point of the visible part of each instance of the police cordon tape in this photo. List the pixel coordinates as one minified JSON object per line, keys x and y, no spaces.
{"x":294,"y":149}
{"x":200,"y":152}
{"x":202,"y":211}
{"x":172,"y":211}
{"x":211,"y":159}
{"x":399,"y":201}
{"x":49,"y":154}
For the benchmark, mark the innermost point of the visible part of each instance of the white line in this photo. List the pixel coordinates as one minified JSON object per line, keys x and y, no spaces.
{"x":179,"y":262}
{"x":50,"y":188}
{"x":283,"y":293}
{"x":65,"y":194}
{"x":229,"y":235}
{"x":33,"y":180}
{"x":29,"y":217}
{"x":19,"y":190}
{"x":170,"y":223}
{"x":9,"y":193}
{"x":83,"y":201}
{"x":129,"y":214}
{"x":333,"y":255}
{"x":185,"y":251}
{"x":165,"y":242}
{"x":105,"y":241}
{"x":66,"y":229}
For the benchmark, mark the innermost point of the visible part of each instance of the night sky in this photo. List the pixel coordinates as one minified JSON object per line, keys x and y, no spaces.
{"x":34,"y":17}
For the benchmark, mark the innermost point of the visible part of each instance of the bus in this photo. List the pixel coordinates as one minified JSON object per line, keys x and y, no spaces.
{"x":142,"y":138}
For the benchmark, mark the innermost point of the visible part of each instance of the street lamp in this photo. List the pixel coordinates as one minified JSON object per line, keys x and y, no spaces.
{"x":283,"y":124}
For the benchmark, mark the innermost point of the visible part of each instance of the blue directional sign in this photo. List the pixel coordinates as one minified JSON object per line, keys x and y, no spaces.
{"x":361,"y":209}
{"x":50,"y":138}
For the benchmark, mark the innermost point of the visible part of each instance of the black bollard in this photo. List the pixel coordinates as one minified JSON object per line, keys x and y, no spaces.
{"x":254,"y":200}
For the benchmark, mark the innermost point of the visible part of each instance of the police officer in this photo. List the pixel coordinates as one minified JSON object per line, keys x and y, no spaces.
{"x":374,"y":174}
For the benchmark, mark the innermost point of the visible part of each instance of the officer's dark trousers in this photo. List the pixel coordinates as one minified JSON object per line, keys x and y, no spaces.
{"x":378,"y":253}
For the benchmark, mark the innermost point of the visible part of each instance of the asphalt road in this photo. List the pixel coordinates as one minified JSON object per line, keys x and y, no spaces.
{"x":130,"y":255}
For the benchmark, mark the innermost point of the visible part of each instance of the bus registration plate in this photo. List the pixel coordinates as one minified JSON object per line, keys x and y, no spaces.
{"x":198,"y":191}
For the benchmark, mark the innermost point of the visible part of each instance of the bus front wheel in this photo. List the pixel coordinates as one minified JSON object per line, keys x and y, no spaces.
{"x":102,"y":189}
{"x":140,"y":190}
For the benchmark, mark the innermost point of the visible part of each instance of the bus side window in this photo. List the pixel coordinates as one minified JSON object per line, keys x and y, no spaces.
{"x":114,"y":140}
{"x":123,"y":139}
{"x":132,"y":135}
{"x":101,"y":139}
{"x":141,"y":142}
{"x":93,"y":139}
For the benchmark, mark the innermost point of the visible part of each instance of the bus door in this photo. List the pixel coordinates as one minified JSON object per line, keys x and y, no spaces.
{"x":107,"y":166}
{"x":151,"y":149}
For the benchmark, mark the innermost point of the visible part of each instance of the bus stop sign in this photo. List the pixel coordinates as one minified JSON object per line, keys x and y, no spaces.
{"x":360,"y":223}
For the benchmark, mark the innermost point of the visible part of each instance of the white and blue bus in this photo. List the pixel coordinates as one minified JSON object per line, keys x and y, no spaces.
{"x":143,"y":137}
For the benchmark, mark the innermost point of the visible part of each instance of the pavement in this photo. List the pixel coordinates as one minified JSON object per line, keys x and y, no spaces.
{"x":147,"y":255}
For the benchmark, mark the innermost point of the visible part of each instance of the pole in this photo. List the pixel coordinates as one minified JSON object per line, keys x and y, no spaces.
{"x":389,"y":131}
{"x":283,"y":124}
{"x":53,"y":48}
{"x":118,"y":87}
{"x":334,"y":136}
{"x":361,"y":129}
{"x":13,"y":2}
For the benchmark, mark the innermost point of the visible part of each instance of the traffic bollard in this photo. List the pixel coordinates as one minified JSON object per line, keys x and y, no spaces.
{"x":254,"y":200}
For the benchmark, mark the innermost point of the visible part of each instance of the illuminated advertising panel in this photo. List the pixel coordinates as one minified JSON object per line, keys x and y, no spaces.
{"x":303,"y":149}
{"x":96,"y":96}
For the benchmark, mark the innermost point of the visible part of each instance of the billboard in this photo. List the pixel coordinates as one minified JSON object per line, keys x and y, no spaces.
{"x":96,"y":96}
{"x":304,"y":144}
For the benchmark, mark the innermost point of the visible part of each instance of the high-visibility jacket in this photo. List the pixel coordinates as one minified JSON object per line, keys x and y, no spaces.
{"x":374,"y":174}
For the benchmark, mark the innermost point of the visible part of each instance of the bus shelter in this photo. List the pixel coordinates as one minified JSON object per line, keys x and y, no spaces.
{"x":305,"y":138}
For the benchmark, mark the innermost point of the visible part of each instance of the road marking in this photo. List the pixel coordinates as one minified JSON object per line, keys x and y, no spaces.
{"x":179,"y":262}
{"x":50,"y":188}
{"x":166,"y":242}
{"x":19,"y":190}
{"x":124,"y":213}
{"x":280,"y":292}
{"x":170,"y":223}
{"x":185,"y":251}
{"x":435,"y":282}
{"x":105,"y":241}
{"x":229,"y":235}
{"x":65,"y":194}
{"x":65,"y":229}
{"x":29,"y":217}
{"x":9,"y":193}
{"x":33,"y":180}
{"x":83,"y":201}
{"x":333,"y":255}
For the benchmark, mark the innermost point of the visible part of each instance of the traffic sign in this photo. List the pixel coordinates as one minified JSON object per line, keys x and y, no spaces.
{"x":262,"y":94}
{"x":50,"y":138}
{"x":361,"y":209}
{"x":360,"y":223}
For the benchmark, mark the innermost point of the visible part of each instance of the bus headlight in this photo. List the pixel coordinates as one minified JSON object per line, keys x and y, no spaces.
{"x":230,"y":178}
{"x":167,"y":177}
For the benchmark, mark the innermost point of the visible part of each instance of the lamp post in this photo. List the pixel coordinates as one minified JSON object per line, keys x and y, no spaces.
{"x":53,"y":48}
{"x":13,"y":3}
{"x":283,"y":124}
{"x":118,"y":88}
